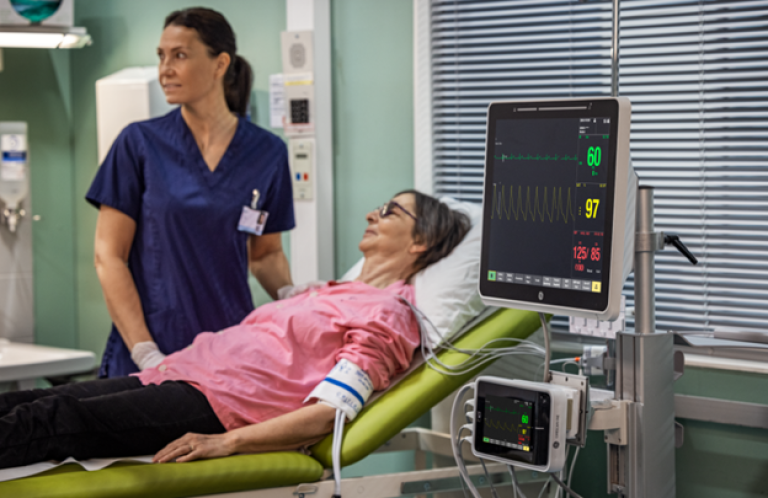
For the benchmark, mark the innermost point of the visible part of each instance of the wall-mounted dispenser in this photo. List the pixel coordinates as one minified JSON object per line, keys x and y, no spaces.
{"x":131,"y":94}
{"x":14,"y":173}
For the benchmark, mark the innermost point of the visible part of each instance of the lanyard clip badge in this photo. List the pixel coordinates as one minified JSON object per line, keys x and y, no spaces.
{"x":252,"y":220}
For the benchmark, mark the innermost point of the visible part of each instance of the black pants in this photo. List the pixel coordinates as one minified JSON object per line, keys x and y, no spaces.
{"x":99,"y":419}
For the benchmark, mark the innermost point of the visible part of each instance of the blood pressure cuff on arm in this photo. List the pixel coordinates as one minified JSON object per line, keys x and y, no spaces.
{"x":346,"y":387}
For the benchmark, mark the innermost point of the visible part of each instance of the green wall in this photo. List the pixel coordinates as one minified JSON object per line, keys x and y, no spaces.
{"x":372,"y":113}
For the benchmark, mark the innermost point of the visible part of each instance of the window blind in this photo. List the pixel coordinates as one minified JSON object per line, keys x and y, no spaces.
{"x":696,"y":73}
{"x":487,"y":51}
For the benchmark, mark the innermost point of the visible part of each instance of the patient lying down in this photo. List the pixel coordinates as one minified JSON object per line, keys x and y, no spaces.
{"x":245,"y":388}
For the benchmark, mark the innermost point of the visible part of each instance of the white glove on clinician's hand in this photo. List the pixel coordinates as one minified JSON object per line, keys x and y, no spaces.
{"x":146,"y":355}
{"x":289,"y":291}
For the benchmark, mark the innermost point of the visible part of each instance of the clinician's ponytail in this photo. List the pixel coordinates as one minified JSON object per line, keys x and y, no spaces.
{"x":216,"y":33}
{"x":237,"y":85}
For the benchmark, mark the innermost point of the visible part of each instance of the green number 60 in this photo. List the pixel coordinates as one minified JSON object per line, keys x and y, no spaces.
{"x":593,"y":156}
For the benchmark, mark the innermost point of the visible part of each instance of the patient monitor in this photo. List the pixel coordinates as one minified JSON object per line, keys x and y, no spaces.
{"x":523,"y":423}
{"x":558,"y":237}
{"x":558,"y":206}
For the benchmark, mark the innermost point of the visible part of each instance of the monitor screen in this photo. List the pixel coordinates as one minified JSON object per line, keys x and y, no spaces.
{"x":549,"y":202}
{"x":508,"y":422}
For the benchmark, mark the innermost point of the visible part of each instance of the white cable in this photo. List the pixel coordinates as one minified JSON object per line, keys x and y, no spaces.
{"x":572,"y":363}
{"x":457,"y":445}
{"x":457,"y":440}
{"x":563,"y":485}
{"x":546,"y":483}
{"x":338,"y":438}
{"x":547,"y":349}
{"x":488,"y":476}
{"x":564,"y":360}
{"x":466,"y":439}
{"x":515,"y":482}
{"x":573,"y":466}
{"x":514,"y":487}
{"x":559,"y":492}
{"x":486,"y":350}
{"x":426,"y":344}
{"x":475,"y":366}
{"x":477,"y":357}
{"x":334,"y":456}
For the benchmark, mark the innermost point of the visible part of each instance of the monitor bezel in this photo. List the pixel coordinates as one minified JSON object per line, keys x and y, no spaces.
{"x":546,"y":298}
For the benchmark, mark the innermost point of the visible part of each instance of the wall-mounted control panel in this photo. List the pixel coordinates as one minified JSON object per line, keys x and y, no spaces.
{"x":299,"y":105}
{"x":302,"y":160}
{"x":298,"y":78}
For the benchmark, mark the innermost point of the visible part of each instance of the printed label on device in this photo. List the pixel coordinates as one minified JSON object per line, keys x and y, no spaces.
{"x":252,"y":221}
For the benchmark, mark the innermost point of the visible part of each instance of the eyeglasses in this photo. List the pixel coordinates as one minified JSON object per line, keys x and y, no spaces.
{"x":389,"y":207}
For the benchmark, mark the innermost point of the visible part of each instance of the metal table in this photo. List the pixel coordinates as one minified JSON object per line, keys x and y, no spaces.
{"x":23,"y":363}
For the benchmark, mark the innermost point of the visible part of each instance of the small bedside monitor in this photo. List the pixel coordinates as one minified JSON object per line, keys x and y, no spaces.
{"x":558,"y":206}
{"x":521,"y":423}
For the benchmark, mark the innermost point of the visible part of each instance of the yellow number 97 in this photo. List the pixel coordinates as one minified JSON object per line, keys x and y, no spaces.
{"x":592,"y":207}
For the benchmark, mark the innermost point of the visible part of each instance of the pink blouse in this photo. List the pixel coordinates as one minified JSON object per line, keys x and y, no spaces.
{"x":268,"y":364}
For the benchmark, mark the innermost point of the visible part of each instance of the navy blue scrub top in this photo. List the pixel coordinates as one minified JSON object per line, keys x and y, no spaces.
{"x":188,"y":259}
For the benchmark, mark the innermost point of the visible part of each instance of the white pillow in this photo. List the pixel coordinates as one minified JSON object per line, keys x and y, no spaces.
{"x":446,"y":292}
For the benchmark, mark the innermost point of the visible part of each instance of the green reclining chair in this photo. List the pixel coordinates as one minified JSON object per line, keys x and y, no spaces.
{"x":384,"y":418}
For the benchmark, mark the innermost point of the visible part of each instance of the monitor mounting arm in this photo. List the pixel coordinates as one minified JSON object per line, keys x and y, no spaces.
{"x":644,"y":466}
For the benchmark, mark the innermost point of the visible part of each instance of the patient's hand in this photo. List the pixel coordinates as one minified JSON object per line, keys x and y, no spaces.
{"x":289,"y":431}
{"x":193,"y":446}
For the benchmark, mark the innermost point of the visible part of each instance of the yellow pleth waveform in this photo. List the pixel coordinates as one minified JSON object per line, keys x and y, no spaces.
{"x":502,"y":426}
{"x":532,"y":205}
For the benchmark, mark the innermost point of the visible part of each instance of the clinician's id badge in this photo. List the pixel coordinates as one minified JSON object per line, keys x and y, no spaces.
{"x":252,"y":221}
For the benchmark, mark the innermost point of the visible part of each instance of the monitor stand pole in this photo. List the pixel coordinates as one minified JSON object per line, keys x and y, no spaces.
{"x":644,"y":466}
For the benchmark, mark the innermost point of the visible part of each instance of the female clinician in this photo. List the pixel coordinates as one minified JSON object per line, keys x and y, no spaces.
{"x":174,"y":236}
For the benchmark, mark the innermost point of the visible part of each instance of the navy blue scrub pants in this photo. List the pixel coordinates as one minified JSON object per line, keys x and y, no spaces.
{"x":99,"y":419}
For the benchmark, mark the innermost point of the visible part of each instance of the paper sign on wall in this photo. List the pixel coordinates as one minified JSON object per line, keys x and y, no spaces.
{"x":276,"y":100}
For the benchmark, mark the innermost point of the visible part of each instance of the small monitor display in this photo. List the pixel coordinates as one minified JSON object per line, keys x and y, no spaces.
{"x":549,"y":203}
{"x":508,"y":422}
{"x":512,"y":423}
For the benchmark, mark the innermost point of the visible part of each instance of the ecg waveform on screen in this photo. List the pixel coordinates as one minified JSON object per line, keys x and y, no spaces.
{"x":502,"y":426}
{"x":532,"y":205}
{"x":537,"y":157}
